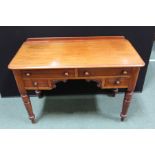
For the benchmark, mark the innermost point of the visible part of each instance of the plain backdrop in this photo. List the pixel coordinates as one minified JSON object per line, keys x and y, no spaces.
{"x":12,"y":37}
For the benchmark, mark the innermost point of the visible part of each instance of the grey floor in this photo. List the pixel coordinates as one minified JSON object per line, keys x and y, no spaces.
{"x":152,"y":57}
{"x":85,"y":111}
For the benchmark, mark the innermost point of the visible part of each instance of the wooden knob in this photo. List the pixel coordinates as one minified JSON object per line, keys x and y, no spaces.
{"x":86,"y":73}
{"x":125,"y":72}
{"x":28,"y":74}
{"x":35,"y":83}
{"x":117,"y":82}
{"x":66,"y":74}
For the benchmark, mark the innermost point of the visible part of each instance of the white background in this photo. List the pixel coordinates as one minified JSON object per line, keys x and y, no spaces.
{"x":77,"y":13}
{"x":77,"y":142}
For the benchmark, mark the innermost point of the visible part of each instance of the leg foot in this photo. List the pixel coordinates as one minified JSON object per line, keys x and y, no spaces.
{"x":126,"y":103}
{"x":122,"y":119}
{"x":38,"y":93}
{"x":32,"y":119}
{"x":115,"y":91}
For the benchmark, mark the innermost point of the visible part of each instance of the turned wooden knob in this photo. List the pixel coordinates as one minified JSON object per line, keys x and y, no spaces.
{"x":28,"y":74}
{"x":66,"y":74}
{"x":86,"y":73}
{"x":125,"y":72}
{"x":117,"y":82}
{"x":35,"y":83}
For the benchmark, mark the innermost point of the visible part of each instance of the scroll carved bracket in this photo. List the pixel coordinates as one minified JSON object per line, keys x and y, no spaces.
{"x":98,"y":81}
{"x":54,"y":82}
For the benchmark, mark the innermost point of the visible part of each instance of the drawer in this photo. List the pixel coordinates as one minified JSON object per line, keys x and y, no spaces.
{"x":86,"y":72}
{"x":54,"y":73}
{"x":117,"y":82}
{"x":36,"y":84}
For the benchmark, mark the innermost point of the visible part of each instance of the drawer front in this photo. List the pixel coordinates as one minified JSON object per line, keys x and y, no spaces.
{"x":35,"y":84}
{"x":87,"y":72}
{"x":116,"y":82}
{"x":55,"y":73}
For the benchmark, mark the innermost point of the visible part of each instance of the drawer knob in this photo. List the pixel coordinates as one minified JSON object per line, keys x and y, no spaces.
{"x":117,"y":82}
{"x":28,"y":74}
{"x":35,"y":83}
{"x":66,"y":74}
{"x":86,"y":73}
{"x":125,"y":72}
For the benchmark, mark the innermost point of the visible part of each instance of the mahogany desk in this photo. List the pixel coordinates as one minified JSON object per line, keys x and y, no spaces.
{"x":111,"y":61}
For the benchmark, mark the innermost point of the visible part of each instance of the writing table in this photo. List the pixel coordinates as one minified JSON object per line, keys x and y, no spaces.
{"x":111,"y":61}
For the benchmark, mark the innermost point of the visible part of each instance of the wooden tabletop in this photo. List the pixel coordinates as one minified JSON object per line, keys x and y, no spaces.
{"x":76,"y":52}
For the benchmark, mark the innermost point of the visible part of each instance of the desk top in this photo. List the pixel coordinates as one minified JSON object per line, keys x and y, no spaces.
{"x":76,"y":52}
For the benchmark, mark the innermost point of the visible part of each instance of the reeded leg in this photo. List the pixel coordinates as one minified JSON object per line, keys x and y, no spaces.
{"x":28,"y":107}
{"x":126,"y":103}
{"x":38,"y":93}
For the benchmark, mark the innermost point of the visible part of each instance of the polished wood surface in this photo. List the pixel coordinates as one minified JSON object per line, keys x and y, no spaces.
{"x":76,"y":52}
{"x":41,"y":63}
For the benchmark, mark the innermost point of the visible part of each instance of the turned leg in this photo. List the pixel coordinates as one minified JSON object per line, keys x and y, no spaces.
{"x":126,"y":103}
{"x":38,"y":93}
{"x":23,"y":93}
{"x":28,"y":107}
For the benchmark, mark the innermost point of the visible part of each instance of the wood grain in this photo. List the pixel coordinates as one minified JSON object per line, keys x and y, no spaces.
{"x":77,"y":52}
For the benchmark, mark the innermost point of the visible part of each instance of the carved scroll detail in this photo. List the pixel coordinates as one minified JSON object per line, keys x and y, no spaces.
{"x":57,"y":81}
